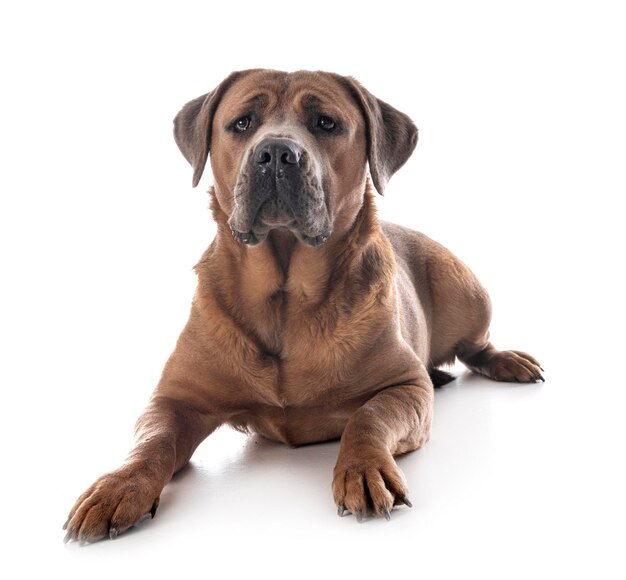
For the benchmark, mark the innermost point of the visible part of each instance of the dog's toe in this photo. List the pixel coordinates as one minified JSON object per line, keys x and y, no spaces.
{"x":116,"y":502}
{"x":369,"y":487}
{"x":512,"y":366}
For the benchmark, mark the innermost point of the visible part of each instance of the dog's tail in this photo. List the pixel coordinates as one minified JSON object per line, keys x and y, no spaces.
{"x":440,"y":378}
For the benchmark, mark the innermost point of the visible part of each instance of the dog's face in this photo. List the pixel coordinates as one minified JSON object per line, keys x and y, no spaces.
{"x":279,"y":145}
{"x":290,"y":150}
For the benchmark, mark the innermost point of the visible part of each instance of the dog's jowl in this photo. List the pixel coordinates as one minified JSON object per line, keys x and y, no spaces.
{"x":312,"y":320}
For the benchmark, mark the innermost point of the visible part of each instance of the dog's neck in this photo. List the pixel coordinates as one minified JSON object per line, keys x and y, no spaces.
{"x":254,"y":284}
{"x":285,"y":255}
{"x":283,"y":243}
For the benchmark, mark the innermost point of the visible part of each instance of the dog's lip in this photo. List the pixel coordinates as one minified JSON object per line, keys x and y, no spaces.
{"x":317,"y":240}
{"x":277,"y":223}
{"x":263,"y":223}
{"x":281,"y":221}
{"x":256,"y":228}
{"x":244,"y":237}
{"x":256,"y":236}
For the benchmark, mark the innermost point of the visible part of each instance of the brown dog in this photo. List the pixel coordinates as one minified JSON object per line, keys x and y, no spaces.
{"x":312,"y":320}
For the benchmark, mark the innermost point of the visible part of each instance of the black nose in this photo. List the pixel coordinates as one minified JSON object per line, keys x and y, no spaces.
{"x":277,"y":152}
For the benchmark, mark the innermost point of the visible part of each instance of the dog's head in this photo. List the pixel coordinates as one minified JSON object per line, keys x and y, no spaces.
{"x":290,"y":150}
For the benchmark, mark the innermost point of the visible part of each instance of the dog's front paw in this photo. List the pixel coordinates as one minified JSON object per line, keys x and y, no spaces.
{"x":369,"y":485}
{"x":114,"y":503}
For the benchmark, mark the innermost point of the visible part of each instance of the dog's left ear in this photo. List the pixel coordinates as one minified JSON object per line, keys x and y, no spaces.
{"x":391,"y":135}
{"x":192,"y":126}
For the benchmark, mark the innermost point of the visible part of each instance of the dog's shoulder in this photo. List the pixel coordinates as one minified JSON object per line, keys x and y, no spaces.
{"x":408,"y":244}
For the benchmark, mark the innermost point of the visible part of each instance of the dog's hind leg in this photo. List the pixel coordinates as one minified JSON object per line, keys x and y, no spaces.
{"x":479,"y":355}
{"x":483,"y":358}
{"x":462,"y":315}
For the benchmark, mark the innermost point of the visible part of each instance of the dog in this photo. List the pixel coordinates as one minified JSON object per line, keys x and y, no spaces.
{"x":313,"y":320}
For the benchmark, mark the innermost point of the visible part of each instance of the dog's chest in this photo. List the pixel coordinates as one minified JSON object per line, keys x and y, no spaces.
{"x":308,"y":394}
{"x":303,"y":399}
{"x":318,"y":356}
{"x":301,"y":367}
{"x":312,"y":356}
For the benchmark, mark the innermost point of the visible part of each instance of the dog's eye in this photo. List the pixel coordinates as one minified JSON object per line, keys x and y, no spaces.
{"x":242,"y":124}
{"x":326,"y":123}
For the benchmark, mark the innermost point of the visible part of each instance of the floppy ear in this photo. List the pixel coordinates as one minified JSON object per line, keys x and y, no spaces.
{"x":192,"y":126}
{"x":391,"y":135}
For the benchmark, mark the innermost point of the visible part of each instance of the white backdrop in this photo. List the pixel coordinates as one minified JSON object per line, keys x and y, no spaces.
{"x":519,"y":170}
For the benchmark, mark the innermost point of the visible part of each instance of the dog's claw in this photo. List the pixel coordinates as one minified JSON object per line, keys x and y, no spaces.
{"x":359,"y":516}
{"x":65,"y":524}
{"x":386,"y":514}
{"x":341,"y":510}
{"x":153,"y":509}
{"x":113,"y":533}
{"x":67,"y":537}
{"x":406,"y":501}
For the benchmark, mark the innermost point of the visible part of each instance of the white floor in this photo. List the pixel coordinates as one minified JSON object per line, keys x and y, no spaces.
{"x":517,"y":481}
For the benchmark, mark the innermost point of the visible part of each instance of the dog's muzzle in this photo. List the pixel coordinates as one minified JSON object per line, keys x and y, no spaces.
{"x":279,"y":187}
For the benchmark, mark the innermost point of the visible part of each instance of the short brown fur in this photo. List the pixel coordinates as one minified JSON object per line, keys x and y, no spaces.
{"x":304,"y":344}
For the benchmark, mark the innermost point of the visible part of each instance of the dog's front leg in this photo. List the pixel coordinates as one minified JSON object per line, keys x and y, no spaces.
{"x":167,"y":433}
{"x":397,"y":420}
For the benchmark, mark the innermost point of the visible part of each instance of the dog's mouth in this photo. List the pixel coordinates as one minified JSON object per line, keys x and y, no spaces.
{"x":311,"y":228}
{"x":275,"y":213}
{"x":285,"y":193}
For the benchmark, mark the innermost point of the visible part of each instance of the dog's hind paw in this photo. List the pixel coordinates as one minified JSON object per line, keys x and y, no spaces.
{"x":511,"y":366}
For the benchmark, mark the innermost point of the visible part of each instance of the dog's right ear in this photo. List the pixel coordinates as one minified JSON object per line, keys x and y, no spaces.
{"x":192,"y":126}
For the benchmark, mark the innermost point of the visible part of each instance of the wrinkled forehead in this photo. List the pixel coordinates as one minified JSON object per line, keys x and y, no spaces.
{"x":281,"y":95}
